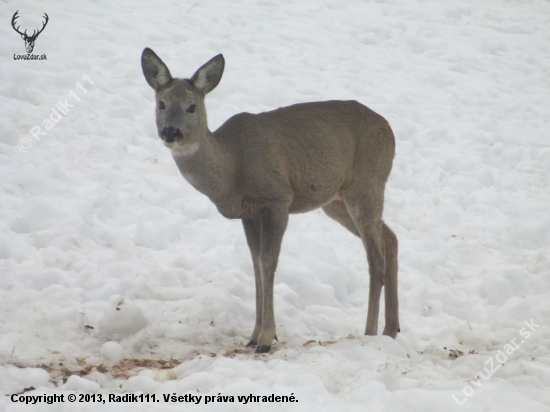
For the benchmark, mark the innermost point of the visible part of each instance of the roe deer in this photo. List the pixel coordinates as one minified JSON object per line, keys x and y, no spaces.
{"x":260,"y":167}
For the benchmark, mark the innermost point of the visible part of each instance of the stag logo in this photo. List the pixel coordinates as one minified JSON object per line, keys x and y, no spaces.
{"x":29,"y":40}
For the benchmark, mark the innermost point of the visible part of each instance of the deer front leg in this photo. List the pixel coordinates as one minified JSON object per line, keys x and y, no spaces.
{"x":273,"y":222}
{"x":252,"y":230}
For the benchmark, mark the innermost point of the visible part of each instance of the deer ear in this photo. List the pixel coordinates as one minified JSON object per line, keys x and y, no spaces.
{"x":155,"y":71}
{"x":209,"y":75}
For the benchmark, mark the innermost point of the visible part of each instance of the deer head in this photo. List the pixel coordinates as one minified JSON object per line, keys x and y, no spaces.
{"x":181,"y":115}
{"x":29,"y":40}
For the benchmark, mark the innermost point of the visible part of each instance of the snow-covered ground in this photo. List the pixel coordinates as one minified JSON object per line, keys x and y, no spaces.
{"x":96,"y":215}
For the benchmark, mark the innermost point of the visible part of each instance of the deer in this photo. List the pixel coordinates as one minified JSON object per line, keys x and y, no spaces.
{"x":259,"y":168}
{"x":29,"y":40}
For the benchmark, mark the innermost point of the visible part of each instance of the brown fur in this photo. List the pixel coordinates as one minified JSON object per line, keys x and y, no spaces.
{"x":260,"y":167}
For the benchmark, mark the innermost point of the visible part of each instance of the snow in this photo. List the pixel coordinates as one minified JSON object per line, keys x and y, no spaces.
{"x":96,"y":213}
{"x":112,"y":352}
{"x":123,"y":320}
{"x":76,"y":383}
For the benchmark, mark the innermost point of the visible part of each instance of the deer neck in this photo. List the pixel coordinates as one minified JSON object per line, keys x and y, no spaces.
{"x":208,"y":166}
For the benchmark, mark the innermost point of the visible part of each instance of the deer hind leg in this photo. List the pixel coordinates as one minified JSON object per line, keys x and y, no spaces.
{"x":390,"y":282}
{"x":365,"y":209}
{"x":338,"y":211}
{"x":252,"y":230}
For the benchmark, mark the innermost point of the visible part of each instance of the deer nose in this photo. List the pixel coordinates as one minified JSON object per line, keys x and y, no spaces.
{"x":170,"y":134}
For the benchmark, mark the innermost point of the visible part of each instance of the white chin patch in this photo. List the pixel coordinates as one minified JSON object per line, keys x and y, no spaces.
{"x":185,"y":150}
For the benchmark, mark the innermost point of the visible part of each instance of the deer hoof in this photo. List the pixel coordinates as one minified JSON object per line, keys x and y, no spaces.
{"x":392,"y":333}
{"x":251,"y":343}
{"x":263,"y":349}
{"x":276,"y":338}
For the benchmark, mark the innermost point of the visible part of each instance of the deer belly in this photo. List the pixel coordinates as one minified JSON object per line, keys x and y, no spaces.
{"x":312,"y":197}
{"x":240,"y":207}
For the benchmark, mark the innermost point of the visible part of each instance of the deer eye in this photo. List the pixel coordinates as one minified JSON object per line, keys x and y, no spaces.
{"x":162,"y":106}
{"x":191,"y":109}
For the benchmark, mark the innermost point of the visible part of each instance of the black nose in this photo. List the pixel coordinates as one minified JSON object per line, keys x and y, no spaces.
{"x":170,"y":134}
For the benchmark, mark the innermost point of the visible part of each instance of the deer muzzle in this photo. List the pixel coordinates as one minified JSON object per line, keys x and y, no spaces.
{"x":171,"y":134}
